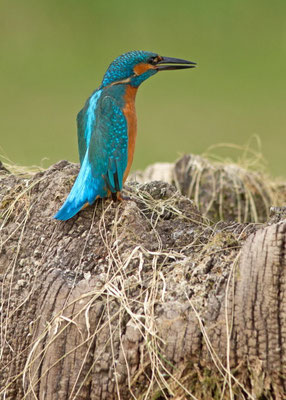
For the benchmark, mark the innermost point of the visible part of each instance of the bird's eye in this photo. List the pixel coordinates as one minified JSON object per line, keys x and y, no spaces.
{"x":153,"y":60}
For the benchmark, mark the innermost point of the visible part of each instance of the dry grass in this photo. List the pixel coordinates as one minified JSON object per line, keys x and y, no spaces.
{"x":161,"y":379}
{"x":21,"y":170}
{"x":225,"y":189}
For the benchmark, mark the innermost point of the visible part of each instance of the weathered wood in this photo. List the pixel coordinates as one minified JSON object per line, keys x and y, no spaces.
{"x":140,"y":298}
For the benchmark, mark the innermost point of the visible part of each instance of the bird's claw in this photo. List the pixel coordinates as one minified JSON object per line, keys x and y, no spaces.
{"x":118,"y":196}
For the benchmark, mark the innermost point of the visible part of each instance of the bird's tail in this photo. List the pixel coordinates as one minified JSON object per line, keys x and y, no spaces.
{"x":85,"y":190}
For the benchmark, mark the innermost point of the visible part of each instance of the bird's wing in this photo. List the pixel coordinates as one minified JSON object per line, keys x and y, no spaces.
{"x":85,"y":123}
{"x":108,"y":147}
{"x":80,"y":135}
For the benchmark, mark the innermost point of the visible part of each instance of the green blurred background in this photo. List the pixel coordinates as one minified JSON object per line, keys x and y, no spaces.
{"x":54,"y":54}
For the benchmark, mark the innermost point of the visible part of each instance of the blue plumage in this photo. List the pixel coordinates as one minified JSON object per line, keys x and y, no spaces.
{"x":86,"y":122}
{"x":123,"y":66}
{"x":107,"y":129}
{"x":105,"y":157}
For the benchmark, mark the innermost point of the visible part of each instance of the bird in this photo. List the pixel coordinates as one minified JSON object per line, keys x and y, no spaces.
{"x":107,"y":129}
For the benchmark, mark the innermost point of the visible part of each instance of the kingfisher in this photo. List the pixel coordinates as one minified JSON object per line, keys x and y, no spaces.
{"x":107,"y":129}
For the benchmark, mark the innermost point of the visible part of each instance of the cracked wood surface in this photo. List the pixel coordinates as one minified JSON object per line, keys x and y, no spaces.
{"x":117,"y":302}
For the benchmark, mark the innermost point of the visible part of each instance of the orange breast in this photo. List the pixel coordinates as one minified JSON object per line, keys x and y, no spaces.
{"x":130,"y":114}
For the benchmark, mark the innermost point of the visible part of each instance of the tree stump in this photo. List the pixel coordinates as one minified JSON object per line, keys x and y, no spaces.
{"x":144,"y":299}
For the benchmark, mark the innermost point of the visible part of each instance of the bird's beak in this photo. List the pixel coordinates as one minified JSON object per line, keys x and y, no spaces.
{"x":182,"y":64}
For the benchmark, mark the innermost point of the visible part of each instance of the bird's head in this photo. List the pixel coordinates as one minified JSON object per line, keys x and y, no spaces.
{"x":135,"y":67}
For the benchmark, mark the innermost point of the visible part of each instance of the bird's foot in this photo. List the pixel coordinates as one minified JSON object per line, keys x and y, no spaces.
{"x":85,"y":205}
{"x":118,"y":196}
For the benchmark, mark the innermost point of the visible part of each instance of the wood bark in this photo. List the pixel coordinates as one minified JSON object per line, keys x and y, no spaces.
{"x":140,"y":299}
